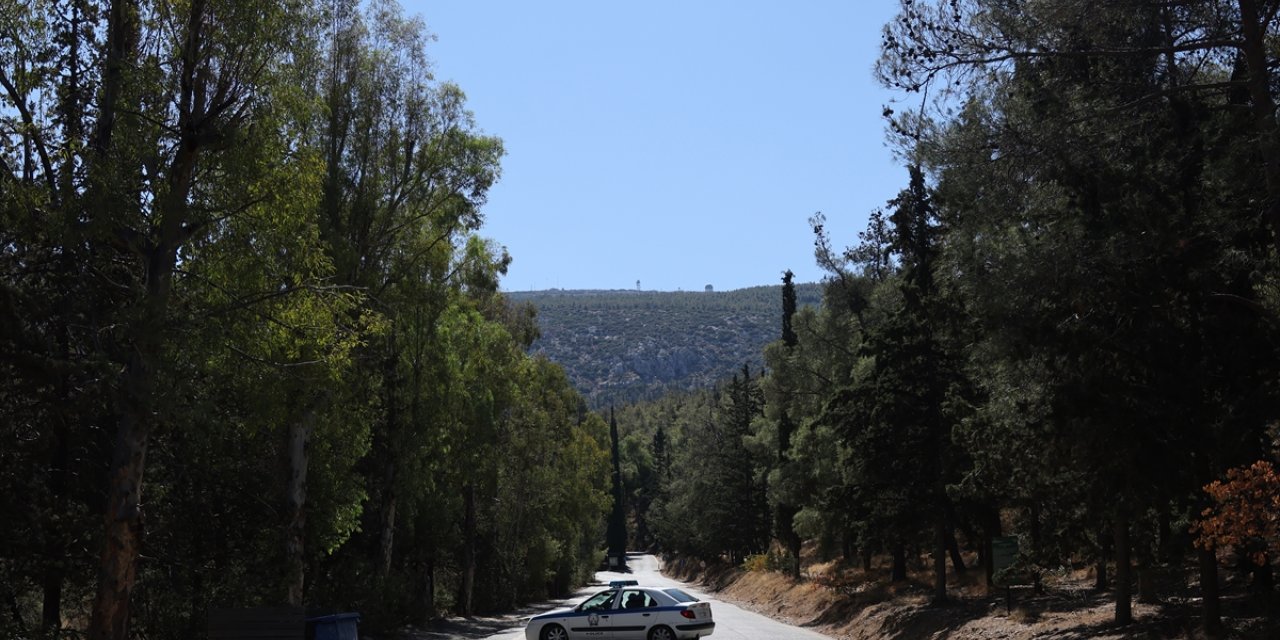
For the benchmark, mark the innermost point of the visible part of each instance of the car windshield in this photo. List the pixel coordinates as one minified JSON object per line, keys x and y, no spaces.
{"x":598,"y":601}
{"x":679,"y":595}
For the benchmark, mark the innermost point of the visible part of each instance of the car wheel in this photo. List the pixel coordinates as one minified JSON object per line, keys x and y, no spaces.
{"x":661,"y":633}
{"x":554,"y":632}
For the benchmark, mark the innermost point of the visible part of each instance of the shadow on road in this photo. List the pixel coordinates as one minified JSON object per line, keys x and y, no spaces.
{"x":479,"y":627}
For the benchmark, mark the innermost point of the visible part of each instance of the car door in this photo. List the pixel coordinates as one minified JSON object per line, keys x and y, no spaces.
{"x":633,"y":614}
{"x":593,"y":619}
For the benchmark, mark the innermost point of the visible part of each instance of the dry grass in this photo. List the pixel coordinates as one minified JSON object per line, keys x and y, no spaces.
{"x":1024,"y":615}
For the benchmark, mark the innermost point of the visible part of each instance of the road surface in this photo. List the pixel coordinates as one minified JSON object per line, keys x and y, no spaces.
{"x":732,"y":622}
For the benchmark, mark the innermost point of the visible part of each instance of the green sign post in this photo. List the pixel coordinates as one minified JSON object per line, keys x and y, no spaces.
{"x":1003,"y":552}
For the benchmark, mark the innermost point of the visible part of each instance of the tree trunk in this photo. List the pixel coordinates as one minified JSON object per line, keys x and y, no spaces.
{"x":1164,"y":530}
{"x":953,"y":548}
{"x":15,"y":610}
{"x":1124,"y":605}
{"x":789,"y":538}
{"x":387,"y":540}
{"x":1264,"y":108}
{"x":1104,"y":551}
{"x":55,"y":547}
{"x":296,"y":502}
{"x":197,"y":594}
{"x":426,"y":592}
{"x":1033,"y":515}
{"x":122,"y":43}
{"x":468,"y":550}
{"x":1147,"y":567}
{"x":123,"y":524}
{"x":940,"y":561}
{"x":392,"y":384}
{"x":993,"y":530}
{"x":1264,"y":580}
{"x":866,"y":557}
{"x":1211,"y":606}
{"x":988,"y":561}
{"x":786,"y":513}
{"x":137,"y":408}
{"x":117,"y":569}
{"x":1147,"y":582}
{"x":51,"y":604}
{"x":899,"y":571}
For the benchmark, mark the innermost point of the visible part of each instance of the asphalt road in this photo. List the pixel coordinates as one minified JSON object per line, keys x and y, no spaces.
{"x":732,"y":622}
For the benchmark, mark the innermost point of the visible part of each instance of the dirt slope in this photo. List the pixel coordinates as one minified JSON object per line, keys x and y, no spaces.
{"x":868,"y":610}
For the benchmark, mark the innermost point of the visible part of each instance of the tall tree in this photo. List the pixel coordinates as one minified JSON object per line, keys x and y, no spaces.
{"x":740,"y":506}
{"x":159,"y":137}
{"x":616,"y":536}
{"x":785,"y":509}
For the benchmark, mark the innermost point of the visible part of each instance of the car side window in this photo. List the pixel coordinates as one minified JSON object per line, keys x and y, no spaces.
{"x":635,"y":600}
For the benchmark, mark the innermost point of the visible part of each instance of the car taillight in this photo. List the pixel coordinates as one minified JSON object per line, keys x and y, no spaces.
{"x":688,"y":613}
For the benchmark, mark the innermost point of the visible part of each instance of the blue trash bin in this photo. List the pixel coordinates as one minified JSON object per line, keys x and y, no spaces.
{"x":339,"y":626}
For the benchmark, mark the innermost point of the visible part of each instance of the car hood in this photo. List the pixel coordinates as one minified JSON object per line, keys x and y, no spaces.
{"x":556,"y":613}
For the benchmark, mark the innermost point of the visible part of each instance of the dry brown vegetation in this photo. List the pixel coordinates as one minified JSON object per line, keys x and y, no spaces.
{"x":849,"y":603}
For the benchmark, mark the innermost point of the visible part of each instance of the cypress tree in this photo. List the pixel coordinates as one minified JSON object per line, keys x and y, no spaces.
{"x":616,"y":536}
{"x":788,"y":309}
{"x":661,"y":457}
{"x":784,"y":513}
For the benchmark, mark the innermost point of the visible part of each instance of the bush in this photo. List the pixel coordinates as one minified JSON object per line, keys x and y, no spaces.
{"x":756,"y":562}
{"x":775,"y":560}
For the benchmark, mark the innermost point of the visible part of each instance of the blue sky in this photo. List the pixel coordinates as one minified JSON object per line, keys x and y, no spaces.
{"x":680,"y":144}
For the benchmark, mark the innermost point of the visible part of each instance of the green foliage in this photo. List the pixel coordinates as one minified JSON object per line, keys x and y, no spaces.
{"x":239,"y":248}
{"x":1066,"y":323}
{"x":710,"y":500}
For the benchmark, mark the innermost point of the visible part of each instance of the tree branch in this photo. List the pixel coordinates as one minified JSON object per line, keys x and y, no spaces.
{"x":34,"y":135}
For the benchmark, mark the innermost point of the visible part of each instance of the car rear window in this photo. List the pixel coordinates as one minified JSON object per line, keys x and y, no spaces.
{"x":679,"y":595}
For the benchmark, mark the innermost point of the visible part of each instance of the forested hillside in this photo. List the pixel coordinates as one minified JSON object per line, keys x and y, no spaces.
{"x":251,"y":339}
{"x":623,"y":345}
{"x":1063,"y":334}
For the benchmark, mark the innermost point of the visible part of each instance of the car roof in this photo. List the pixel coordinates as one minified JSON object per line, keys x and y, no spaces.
{"x":643,"y":587}
{"x":657,"y":593}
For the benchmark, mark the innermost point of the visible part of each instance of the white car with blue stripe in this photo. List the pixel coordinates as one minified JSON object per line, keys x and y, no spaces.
{"x":627,"y":612}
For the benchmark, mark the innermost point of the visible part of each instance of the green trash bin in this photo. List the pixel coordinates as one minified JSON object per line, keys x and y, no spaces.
{"x":339,"y":626}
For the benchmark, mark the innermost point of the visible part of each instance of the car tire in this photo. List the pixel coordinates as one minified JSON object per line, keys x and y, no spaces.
{"x":662,"y":633}
{"x":554,"y":632}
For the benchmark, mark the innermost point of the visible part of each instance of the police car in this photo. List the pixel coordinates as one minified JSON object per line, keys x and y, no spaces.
{"x":626,"y":611}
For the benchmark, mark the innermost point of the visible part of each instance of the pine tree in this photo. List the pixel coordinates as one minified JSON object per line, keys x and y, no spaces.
{"x":740,"y":510}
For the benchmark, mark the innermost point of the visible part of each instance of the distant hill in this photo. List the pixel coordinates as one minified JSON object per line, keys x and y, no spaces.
{"x":620,"y":345}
